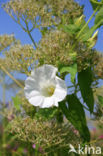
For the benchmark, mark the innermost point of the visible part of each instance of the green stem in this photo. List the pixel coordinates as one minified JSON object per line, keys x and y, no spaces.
{"x":87,"y":22}
{"x":28,"y":31}
{"x":18,"y":22}
{"x":32,"y":39}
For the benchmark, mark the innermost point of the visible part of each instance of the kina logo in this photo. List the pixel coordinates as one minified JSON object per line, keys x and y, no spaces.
{"x":72,"y":149}
{"x":85,"y":150}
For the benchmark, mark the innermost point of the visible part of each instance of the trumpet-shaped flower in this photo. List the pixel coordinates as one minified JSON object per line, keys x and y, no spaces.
{"x":43,"y":88}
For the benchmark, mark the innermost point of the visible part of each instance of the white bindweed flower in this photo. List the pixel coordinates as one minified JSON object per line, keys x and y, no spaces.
{"x":43,"y":88}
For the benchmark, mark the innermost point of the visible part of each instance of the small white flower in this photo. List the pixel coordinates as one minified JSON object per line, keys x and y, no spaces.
{"x":43,"y":88}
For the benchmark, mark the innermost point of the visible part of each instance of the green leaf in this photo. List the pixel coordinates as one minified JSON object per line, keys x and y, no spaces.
{"x":99,"y":17}
{"x":76,"y":27}
{"x":72,"y":70}
{"x":85,"y":36}
{"x":71,"y":28}
{"x":17,"y":102}
{"x":85,"y":81}
{"x":76,"y":115}
{"x":82,"y":24}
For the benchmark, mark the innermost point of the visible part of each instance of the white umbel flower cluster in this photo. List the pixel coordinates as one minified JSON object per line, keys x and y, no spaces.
{"x":43,"y":88}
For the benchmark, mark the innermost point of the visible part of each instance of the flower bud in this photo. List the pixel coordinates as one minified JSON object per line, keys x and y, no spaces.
{"x":92,"y":41}
{"x":79,"y":21}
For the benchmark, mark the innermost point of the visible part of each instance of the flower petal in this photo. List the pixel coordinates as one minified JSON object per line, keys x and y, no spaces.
{"x":48,"y":102}
{"x":41,"y":79}
{"x":44,"y":72}
{"x":31,"y":83}
{"x":50,"y":71}
{"x":30,"y":94}
{"x":56,"y":103}
{"x":61,"y":89}
{"x":36,"y":100}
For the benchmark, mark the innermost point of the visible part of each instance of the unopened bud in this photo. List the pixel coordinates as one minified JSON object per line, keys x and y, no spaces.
{"x":92,"y":41}
{"x":79,"y":20}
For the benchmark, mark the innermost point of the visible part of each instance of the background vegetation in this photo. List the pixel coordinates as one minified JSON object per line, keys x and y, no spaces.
{"x":66,"y":43}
